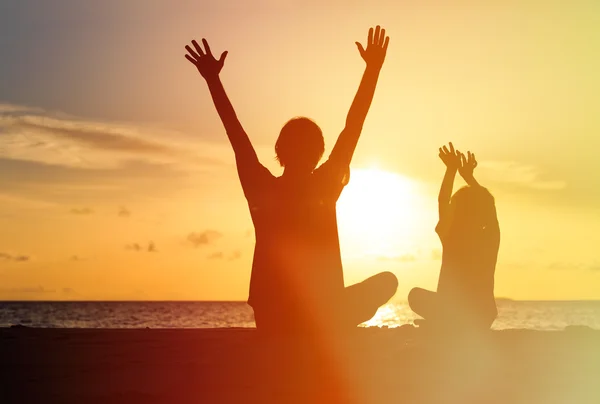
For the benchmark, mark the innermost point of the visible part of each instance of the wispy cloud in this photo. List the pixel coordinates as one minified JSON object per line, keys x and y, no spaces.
{"x":216,"y":256}
{"x":204,"y":238}
{"x":91,"y":136}
{"x":235,"y":255}
{"x":82,"y":211}
{"x":14,"y":257}
{"x":37,"y":292}
{"x":138,"y":247}
{"x":124,"y":212}
{"x":523,"y":175}
{"x":221,"y":255}
{"x":51,"y":185}
{"x":28,"y":290}
{"x":51,"y":157}
{"x":37,"y":135}
{"x":133,"y":247}
{"x":574,"y":266}
{"x":564,"y":266}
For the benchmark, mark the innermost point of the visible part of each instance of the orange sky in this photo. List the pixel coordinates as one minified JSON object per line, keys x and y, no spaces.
{"x":109,"y":140}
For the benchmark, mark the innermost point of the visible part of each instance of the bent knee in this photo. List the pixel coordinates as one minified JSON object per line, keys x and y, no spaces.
{"x":389,"y":283}
{"x":415,"y":296}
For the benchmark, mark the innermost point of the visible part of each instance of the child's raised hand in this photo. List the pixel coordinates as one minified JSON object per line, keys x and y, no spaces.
{"x":451,"y":157}
{"x":467,"y":165}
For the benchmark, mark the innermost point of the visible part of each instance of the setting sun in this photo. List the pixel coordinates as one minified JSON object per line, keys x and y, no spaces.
{"x":378,"y":211}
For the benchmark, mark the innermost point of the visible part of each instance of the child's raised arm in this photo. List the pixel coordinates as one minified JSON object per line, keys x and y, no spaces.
{"x":466,"y":167}
{"x":451,"y":159}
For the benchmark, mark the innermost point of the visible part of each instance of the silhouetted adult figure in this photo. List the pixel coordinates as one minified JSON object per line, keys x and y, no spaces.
{"x":297,"y":279}
{"x":470,"y":235}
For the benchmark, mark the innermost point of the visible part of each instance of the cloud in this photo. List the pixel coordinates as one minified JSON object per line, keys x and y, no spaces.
{"x":34,"y":173}
{"x":67,"y":135}
{"x":71,"y":161}
{"x":54,"y":185}
{"x":106,"y":138}
{"x":204,"y":238}
{"x":69,"y":292}
{"x":82,"y":211}
{"x":34,"y":134}
{"x":124,"y":212}
{"x":221,"y":255}
{"x":235,"y":255}
{"x":573,"y":266}
{"x":216,"y":256}
{"x":14,"y":258}
{"x":563,"y":266}
{"x":28,"y":290}
{"x":37,"y":292}
{"x":137,"y":247}
{"x":523,"y":175}
{"x":133,"y":247}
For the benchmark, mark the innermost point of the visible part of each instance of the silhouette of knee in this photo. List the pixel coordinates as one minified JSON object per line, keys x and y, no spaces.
{"x":413,"y":297}
{"x":389,"y":283}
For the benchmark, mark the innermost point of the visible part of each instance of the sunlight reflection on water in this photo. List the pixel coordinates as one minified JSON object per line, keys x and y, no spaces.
{"x":391,"y":315}
{"x":551,"y":315}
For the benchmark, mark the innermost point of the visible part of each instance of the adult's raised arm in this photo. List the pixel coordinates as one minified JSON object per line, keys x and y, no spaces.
{"x":210,"y":67}
{"x":374,"y":56}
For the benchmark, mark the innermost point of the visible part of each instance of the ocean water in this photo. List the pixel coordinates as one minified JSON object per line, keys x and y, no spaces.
{"x":537,"y":315}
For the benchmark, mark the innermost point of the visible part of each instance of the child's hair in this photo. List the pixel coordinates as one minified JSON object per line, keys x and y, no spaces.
{"x":300,"y":143}
{"x":473,"y":209}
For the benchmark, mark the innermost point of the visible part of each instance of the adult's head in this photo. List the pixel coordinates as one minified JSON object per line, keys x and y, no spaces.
{"x":300,"y":145}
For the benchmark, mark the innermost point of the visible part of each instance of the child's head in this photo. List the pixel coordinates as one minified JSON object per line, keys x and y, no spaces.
{"x":300,"y":145}
{"x":473,"y":210}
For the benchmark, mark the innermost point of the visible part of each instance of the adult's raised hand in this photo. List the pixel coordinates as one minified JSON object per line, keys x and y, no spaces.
{"x":203,"y":59}
{"x":377,"y":44}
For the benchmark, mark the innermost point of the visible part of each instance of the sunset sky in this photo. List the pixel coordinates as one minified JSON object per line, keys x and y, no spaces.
{"x":117,"y":180}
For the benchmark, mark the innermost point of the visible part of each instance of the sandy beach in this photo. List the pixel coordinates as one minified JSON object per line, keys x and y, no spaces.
{"x":240,"y":366}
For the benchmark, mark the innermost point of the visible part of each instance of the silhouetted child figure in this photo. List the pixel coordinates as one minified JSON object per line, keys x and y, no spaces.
{"x":470,"y":235}
{"x":297,"y":279}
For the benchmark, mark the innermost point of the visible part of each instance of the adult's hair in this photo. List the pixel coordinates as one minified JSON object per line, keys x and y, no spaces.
{"x":300,"y":144}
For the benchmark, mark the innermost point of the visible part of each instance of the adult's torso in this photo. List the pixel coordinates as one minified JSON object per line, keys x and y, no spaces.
{"x":297,"y":252}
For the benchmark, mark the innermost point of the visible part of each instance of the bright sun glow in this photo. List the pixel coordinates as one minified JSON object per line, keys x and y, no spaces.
{"x":377,"y":213}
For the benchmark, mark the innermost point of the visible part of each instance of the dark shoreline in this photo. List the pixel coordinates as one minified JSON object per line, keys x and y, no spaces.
{"x":238,"y":365}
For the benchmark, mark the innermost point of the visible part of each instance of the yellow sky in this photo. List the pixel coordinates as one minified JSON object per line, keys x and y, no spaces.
{"x":109,"y":140}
